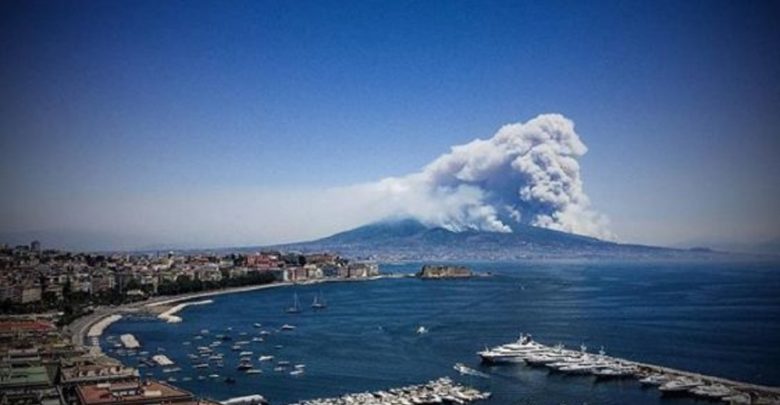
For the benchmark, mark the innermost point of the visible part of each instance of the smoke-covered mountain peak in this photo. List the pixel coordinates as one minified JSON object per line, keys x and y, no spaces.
{"x":525,"y":174}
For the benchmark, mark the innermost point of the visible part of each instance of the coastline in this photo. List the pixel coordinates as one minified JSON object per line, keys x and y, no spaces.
{"x":80,"y":328}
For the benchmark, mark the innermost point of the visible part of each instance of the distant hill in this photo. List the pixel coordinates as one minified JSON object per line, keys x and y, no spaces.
{"x":411,"y":240}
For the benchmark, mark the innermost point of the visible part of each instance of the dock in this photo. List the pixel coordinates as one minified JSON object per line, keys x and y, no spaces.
{"x":162,"y":360}
{"x":129,"y":341}
{"x":441,"y":391}
{"x":668,"y":380}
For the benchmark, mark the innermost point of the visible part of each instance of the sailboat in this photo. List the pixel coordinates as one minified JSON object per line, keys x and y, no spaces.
{"x":296,"y":307}
{"x":319,"y":303}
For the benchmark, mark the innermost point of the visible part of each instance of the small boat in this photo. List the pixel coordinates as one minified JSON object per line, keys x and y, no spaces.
{"x":319,"y":302}
{"x":245,"y":365}
{"x":264,"y":333}
{"x":213,"y":375}
{"x":254,"y":371}
{"x":187,"y":379}
{"x":739,"y":398}
{"x":201,"y":365}
{"x":288,"y":327}
{"x":244,"y":354}
{"x":258,"y":325}
{"x":265,"y":358}
{"x":461,"y":368}
{"x":278,"y":368}
{"x":422,"y":330}
{"x":283,"y":363}
{"x":257,"y":339}
{"x":296,"y":307}
{"x":296,"y":372}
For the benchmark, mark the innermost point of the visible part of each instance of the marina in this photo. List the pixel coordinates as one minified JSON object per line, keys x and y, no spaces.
{"x":669,"y":381}
{"x":441,"y":391}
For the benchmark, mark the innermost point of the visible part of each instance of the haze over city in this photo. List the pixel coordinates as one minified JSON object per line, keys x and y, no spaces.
{"x":128,"y":125}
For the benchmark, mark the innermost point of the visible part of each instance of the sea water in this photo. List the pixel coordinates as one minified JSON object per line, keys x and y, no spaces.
{"x":721,"y":319}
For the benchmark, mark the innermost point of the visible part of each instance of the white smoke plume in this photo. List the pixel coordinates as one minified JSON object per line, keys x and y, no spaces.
{"x":526,"y":173}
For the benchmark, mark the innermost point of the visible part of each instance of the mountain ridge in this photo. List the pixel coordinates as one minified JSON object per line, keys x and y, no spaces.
{"x":409,"y":239}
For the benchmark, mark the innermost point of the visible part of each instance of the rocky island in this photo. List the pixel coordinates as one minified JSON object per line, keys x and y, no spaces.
{"x":430,"y":271}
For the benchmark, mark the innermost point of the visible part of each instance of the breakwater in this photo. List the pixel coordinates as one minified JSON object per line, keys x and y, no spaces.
{"x":170,"y":315}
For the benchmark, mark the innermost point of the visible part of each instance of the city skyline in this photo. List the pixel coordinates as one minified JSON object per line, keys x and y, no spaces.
{"x":130,"y":125}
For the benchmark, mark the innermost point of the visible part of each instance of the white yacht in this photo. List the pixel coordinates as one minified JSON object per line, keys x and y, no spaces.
{"x":712,"y":391}
{"x":655,"y":379}
{"x":680,"y":384}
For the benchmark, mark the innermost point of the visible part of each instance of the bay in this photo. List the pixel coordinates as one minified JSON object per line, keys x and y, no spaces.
{"x":720,"y":319}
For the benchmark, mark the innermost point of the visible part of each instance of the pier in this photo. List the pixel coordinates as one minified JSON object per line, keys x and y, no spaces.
{"x":668,"y":380}
{"x":170,"y":315}
{"x":441,"y":391}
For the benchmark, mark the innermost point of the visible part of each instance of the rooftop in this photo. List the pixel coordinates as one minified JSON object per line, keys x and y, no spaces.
{"x":24,"y":376}
{"x":136,"y":392}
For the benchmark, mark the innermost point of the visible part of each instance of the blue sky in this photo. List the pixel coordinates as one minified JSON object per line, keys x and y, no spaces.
{"x":112,"y":112}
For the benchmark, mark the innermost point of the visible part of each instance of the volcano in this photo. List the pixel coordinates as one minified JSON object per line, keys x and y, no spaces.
{"x":409,"y":239}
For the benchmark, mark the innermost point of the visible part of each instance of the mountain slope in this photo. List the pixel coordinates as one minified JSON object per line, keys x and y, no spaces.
{"x":412,"y":240}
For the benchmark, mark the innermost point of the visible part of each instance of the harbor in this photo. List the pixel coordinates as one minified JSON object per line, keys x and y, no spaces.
{"x":440,"y":391}
{"x":669,"y":381}
{"x":367,"y":339}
